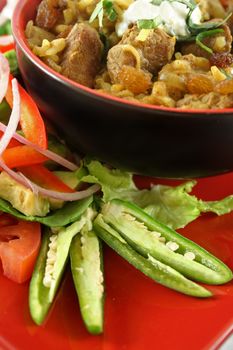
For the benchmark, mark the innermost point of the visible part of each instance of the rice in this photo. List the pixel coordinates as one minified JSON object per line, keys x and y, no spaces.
{"x":171,"y":87}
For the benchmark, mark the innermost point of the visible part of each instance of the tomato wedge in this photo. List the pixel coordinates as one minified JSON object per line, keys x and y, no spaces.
{"x":31,"y":121}
{"x":19,"y":247}
{"x":7,"y":219}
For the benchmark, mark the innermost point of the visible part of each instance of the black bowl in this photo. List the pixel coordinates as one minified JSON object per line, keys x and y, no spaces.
{"x":144,"y":139}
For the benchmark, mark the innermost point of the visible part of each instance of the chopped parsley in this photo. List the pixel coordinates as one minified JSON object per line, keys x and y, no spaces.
{"x":197,"y":28}
{"x":228,"y":76}
{"x":156,"y":2}
{"x":149,"y":23}
{"x":104,"y":7}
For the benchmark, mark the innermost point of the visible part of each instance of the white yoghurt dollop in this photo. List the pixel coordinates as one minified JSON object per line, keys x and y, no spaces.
{"x":173,"y":15}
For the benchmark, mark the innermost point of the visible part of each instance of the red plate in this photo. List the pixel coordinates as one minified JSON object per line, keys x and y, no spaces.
{"x":139,"y":314}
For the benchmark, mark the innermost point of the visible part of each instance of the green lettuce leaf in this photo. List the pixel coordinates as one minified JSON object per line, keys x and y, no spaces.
{"x":221,"y":207}
{"x":114,"y":182}
{"x":174,"y":206}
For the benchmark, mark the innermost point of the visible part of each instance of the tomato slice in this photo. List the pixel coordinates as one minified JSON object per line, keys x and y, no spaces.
{"x":19,"y":247}
{"x":31,"y":121}
{"x":7,"y":219}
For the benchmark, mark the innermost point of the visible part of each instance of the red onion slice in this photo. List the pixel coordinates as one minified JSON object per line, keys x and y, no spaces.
{"x":49,"y":154}
{"x":4,"y":76}
{"x":14,"y":118}
{"x":6,"y":40}
{"x":67,"y":197}
{"x":29,"y":183}
{"x":16,"y":176}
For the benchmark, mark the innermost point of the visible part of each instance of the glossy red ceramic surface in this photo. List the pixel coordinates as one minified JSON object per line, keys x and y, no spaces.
{"x":139,"y":314}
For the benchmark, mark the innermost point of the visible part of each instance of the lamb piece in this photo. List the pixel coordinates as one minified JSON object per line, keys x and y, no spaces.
{"x":48,"y":13}
{"x":118,"y":57}
{"x":82,"y":56}
{"x":156,"y":50}
{"x":218,"y":43}
{"x":150,"y":54}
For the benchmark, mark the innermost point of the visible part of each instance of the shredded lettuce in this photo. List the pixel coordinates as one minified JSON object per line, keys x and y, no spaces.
{"x":174,"y":206}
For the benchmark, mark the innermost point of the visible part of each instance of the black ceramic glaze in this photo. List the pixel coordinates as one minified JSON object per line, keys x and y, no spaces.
{"x":147,"y":140}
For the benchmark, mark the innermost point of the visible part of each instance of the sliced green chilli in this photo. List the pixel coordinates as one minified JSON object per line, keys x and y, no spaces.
{"x":148,"y":236}
{"x":87,"y":271}
{"x":151,"y":267}
{"x":49,"y":269}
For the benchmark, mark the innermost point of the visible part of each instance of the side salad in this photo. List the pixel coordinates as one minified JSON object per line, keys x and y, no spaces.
{"x":55,"y":212}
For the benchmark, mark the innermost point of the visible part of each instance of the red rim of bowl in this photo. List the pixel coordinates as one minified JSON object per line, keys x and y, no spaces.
{"x":18,"y":32}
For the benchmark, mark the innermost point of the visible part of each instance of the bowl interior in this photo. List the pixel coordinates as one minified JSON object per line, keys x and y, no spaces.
{"x":26,"y":10}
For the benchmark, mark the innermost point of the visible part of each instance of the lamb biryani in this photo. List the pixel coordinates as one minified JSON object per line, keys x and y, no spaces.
{"x":165,"y":53}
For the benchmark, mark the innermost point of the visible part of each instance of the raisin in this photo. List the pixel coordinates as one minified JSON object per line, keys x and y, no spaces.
{"x":199,"y":84}
{"x":224,"y":87}
{"x":136,"y":81}
{"x":221,"y":59}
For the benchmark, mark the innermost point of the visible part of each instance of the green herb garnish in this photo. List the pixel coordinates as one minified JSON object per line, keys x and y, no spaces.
{"x":227,"y":75}
{"x":156,"y":2}
{"x":98,"y":12}
{"x":110,"y":11}
{"x":189,"y":3}
{"x":193,"y":27}
{"x":103,"y":7}
{"x":204,"y":35}
{"x":149,"y":23}
{"x":106,"y":44}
